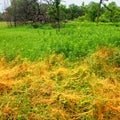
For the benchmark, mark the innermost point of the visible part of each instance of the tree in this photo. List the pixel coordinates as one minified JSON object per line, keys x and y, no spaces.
{"x":14,"y":3}
{"x":22,"y":11}
{"x":91,"y":11}
{"x":57,"y":6}
{"x":112,"y":13}
{"x":54,"y":11}
{"x":98,"y":15}
{"x":74,"y":11}
{"x":1,"y":17}
{"x":63,"y":13}
{"x":83,"y":9}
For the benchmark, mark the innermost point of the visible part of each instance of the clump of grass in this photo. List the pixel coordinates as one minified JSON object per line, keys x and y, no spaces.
{"x":60,"y":89}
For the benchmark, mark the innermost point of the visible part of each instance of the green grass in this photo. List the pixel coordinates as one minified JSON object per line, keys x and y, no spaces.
{"x":75,"y":41}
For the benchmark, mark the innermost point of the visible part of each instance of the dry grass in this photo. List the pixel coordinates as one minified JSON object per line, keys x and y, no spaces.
{"x":57,"y":89}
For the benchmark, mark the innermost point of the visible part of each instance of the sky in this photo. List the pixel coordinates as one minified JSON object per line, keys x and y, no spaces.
{"x":79,"y":2}
{"x":6,"y":3}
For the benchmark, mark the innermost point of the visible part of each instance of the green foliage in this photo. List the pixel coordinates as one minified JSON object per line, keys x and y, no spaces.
{"x":103,"y":18}
{"x":91,"y":11}
{"x":112,"y":13}
{"x":75,"y":40}
{"x":55,"y":25}
{"x":82,"y":19}
{"x":53,"y":10}
{"x":74,"y":11}
{"x":36,"y":24}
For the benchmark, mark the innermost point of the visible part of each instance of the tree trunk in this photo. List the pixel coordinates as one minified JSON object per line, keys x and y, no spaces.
{"x":98,"y":15}
{"x":57,"y":3}
{"x":58,"y":17}
{"x":15,"y":20}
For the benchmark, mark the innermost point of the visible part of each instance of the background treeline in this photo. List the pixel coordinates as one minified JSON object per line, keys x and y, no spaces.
{"x":34,"y":12}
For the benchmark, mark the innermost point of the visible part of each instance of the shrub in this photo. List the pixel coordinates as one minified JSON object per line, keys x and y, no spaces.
{"x":103,"y":18}
{"x":36,"y":25}
{"x":82,"y":18}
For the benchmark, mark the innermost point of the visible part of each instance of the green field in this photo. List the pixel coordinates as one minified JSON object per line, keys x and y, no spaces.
{"x":75,"y":41}
{"x":73,"y":74}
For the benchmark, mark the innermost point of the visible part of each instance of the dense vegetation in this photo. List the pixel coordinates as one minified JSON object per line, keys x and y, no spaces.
{"x":69,"y":73}
{"x":59,"y":89}
{"x":73,"y":74}
{"x":75,"y":41}
{"x":52,"y":11}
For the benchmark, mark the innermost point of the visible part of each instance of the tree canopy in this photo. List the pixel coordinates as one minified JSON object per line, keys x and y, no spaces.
{"x":52,"y":11}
